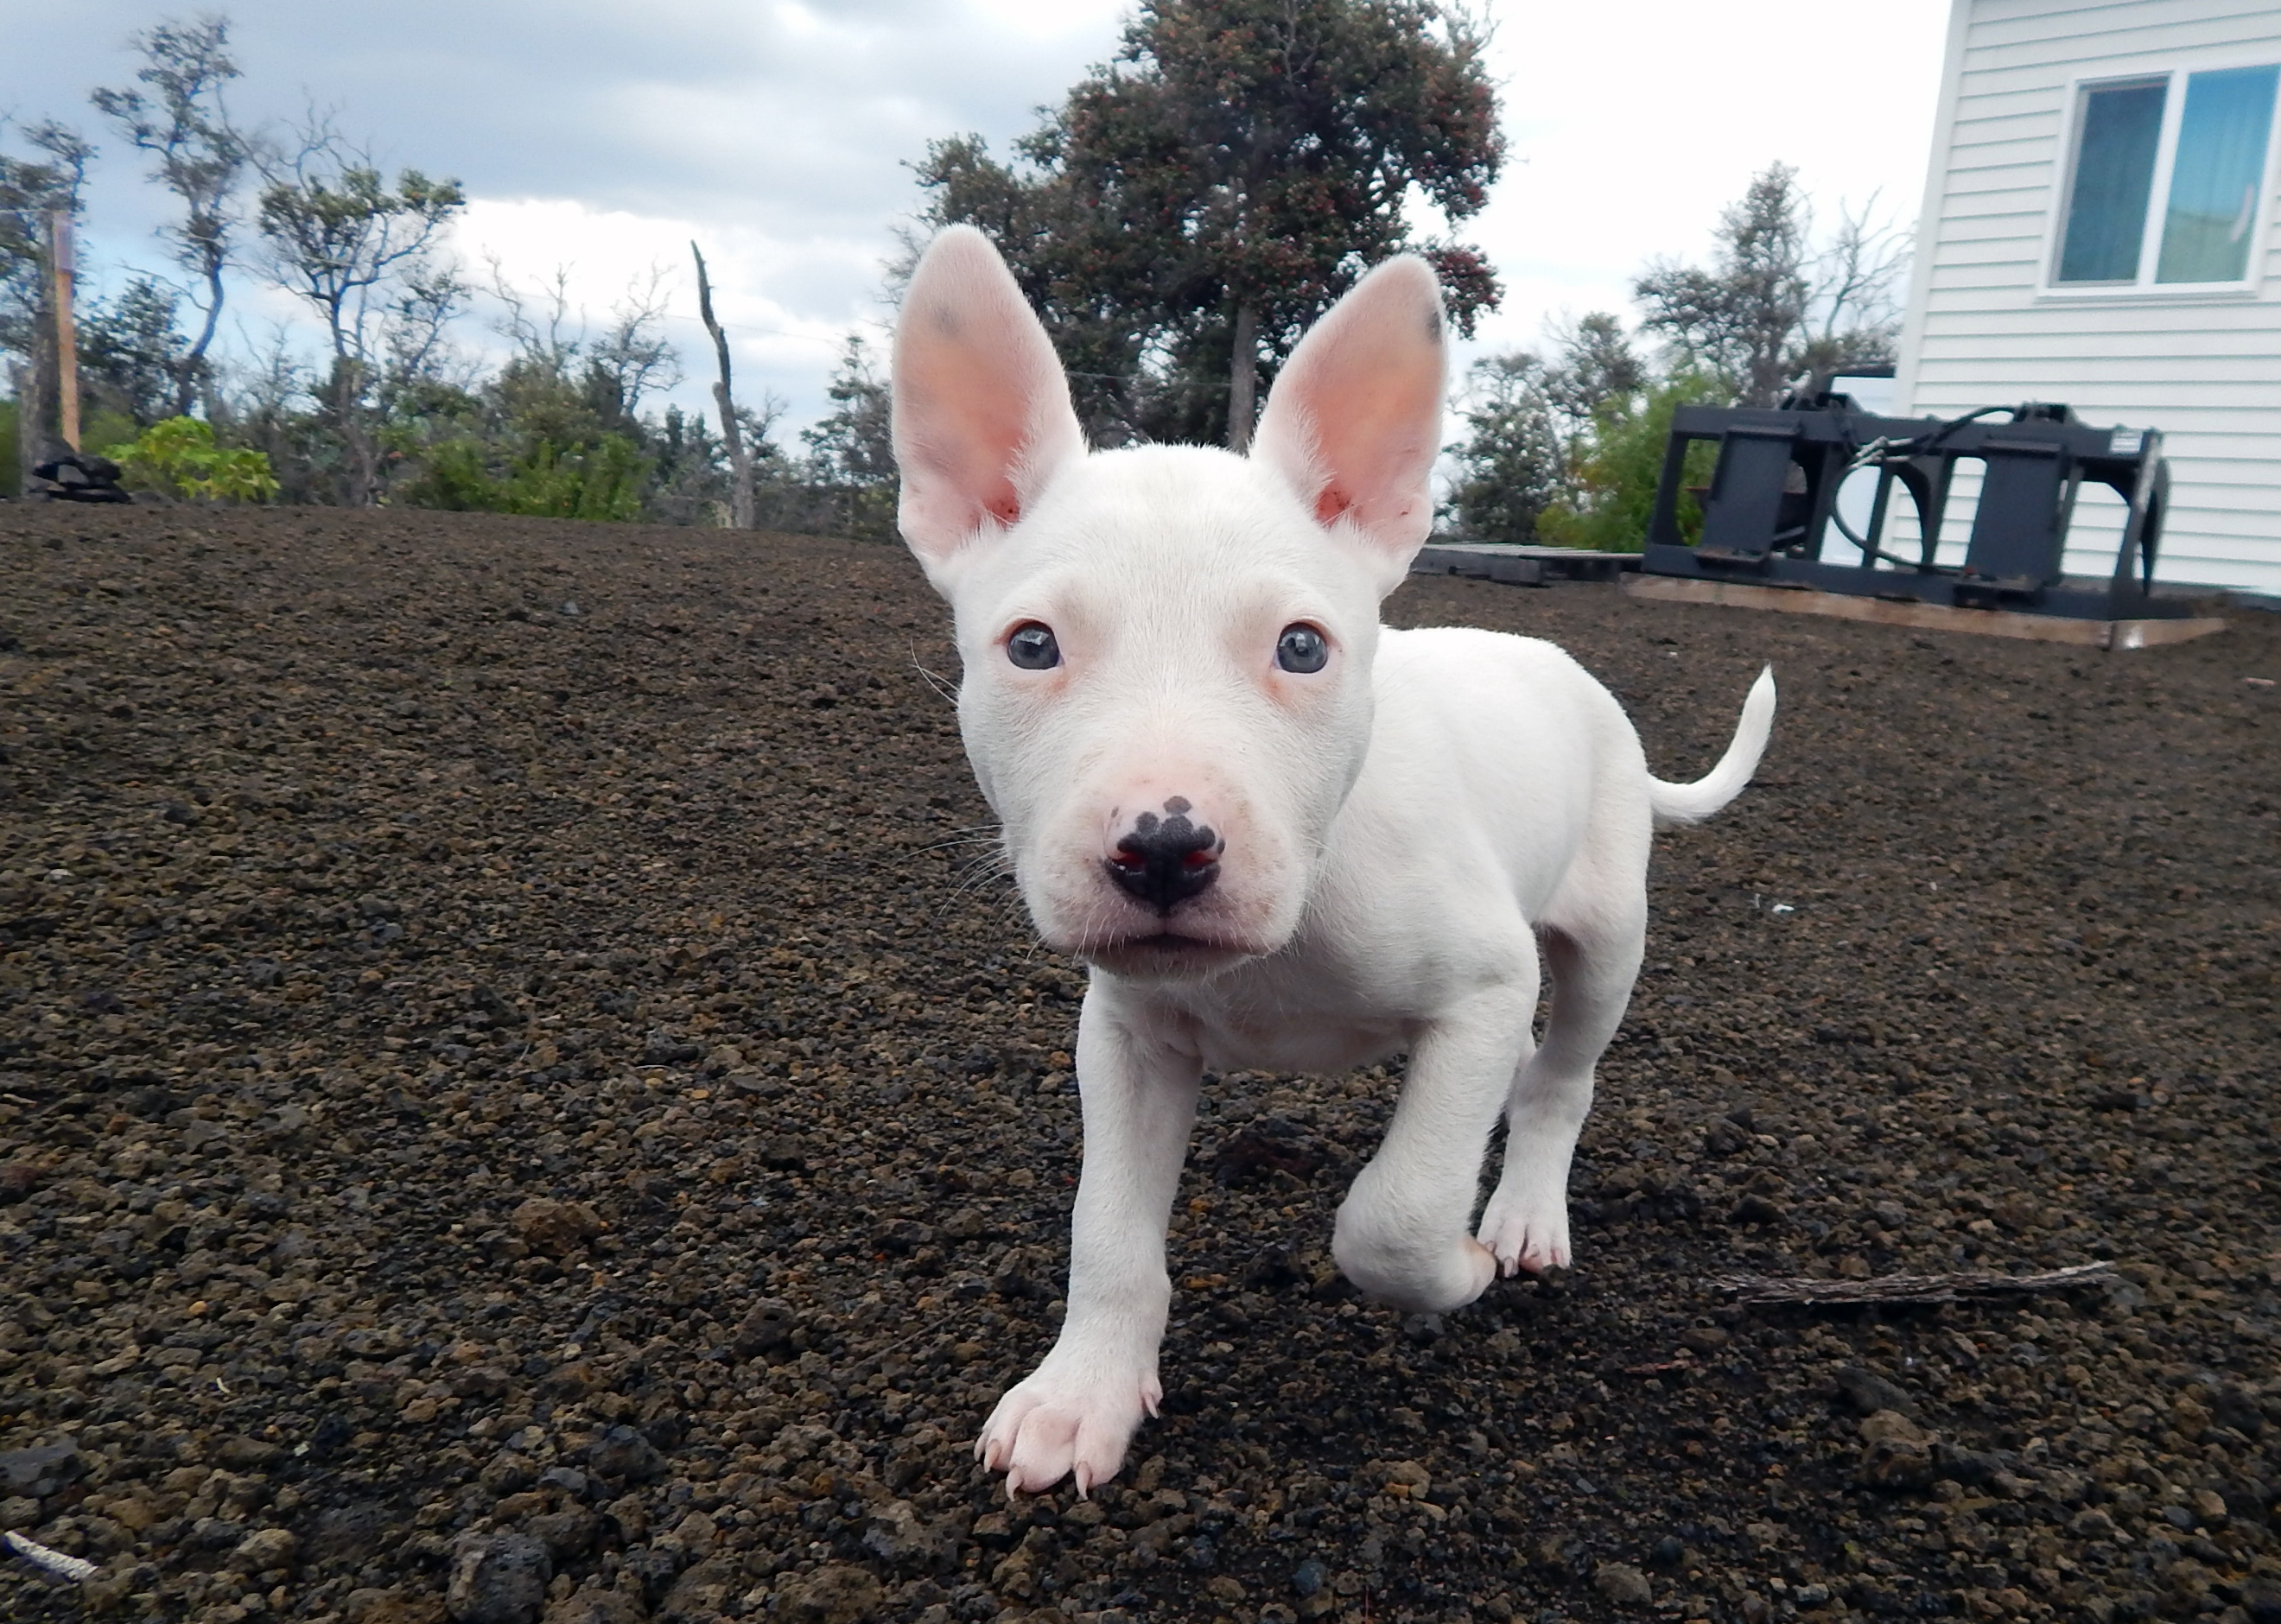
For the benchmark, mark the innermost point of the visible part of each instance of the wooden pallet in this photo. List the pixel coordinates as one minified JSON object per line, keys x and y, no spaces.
{"x":2108,"y":634}
{"x":1518,"y":566}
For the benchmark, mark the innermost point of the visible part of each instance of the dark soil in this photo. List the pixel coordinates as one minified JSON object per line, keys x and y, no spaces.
{"x":531,"y":1105}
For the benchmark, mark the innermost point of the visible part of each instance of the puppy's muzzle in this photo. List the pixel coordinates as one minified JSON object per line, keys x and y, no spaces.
{"x":1165,"y":861}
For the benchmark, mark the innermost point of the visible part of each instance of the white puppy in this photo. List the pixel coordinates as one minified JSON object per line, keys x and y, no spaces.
{"x":1283,"y":836}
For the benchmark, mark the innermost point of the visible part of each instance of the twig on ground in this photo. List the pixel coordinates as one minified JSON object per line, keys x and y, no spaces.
{"x":873,"y":1361}
{"x":1912,"y":1287}
{"x":50,"y":1560}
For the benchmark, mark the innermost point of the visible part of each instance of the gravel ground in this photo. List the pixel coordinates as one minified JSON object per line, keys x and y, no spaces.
{"x":517,"y":1099}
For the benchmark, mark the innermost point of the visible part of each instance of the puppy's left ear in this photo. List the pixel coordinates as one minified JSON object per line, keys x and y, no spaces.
{"x":1354,"y":422}
{"x":982,"y":416}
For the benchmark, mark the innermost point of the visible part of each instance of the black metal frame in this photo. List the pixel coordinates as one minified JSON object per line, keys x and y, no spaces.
{"x":1772,"y":499}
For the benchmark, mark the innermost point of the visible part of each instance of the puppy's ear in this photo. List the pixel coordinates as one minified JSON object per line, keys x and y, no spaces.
{"x":982,"y":412}
{"x":1355,"y":419}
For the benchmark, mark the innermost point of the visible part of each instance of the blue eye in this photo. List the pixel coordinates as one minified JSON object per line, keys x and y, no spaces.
{"x":1301,"y":649}
{"x":1032,"y":647}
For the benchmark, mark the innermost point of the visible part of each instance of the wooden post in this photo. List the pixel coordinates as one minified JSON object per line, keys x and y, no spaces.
{"x":59,"y":294}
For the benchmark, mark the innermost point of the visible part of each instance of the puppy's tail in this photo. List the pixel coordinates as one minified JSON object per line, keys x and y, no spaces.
{"x":1692,"y":803}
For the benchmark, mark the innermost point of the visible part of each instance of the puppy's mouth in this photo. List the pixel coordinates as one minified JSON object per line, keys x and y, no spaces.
{"x":1166,"y":955}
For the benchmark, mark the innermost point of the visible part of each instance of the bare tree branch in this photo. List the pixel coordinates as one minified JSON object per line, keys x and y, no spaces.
{"x":633,"y":357}
{"x":535,"y":339}
{"x":1913,"y":1288}
{"x":1857,"y":282}
{"x":740,"y":461}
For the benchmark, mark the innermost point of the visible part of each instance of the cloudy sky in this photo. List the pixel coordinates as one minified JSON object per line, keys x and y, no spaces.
{"x":600,"y":137}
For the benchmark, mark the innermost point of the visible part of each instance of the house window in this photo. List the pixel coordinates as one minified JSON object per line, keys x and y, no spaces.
{"x":2168,"y":179}
{"x":2216,"y":176}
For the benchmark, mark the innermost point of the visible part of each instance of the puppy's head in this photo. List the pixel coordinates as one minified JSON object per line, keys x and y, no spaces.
{"x":1167,"y":649}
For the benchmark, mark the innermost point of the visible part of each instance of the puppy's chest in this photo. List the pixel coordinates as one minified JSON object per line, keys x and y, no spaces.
{"x":1290,"y":1048}
{"x":1286,"y":1028}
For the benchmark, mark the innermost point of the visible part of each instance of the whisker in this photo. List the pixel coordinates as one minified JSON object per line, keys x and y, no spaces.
{"x":940,"y":685}
{"x":956,"y":841}
{"x":977,"y":880}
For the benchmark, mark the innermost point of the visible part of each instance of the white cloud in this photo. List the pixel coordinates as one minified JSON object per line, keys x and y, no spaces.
{"x":1629,"y":127}
{"x":602,"y":137}
{"x":778,"y":345}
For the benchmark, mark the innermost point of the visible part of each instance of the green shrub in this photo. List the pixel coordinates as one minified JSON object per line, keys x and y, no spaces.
{"x":1619,"y":471}
{"x":102,"y":427}
{"x":179,"y":458}
{"x":453,"y":477}
{"x":603,"y":480}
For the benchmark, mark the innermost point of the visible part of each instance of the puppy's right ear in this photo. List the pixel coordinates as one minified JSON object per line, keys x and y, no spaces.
{"x":1354,"y":422}
{"x":982,"y":416}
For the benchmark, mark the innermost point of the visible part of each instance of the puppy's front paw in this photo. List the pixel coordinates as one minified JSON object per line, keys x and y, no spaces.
{"x":1072,"y":1417}
{"x":1414,"y":1276}
{"x":1527,"y":1232}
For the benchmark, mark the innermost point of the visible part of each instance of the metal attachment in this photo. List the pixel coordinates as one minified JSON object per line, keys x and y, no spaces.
{"x":1773,"y":502}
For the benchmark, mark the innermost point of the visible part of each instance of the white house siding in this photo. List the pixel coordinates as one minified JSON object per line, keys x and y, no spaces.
{"x":2207,"y":371}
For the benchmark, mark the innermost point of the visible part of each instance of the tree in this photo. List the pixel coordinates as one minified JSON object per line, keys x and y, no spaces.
{"x":633,"y":359}
{"x":197,"y":155}
{"x":1513,"y":456}
{"x":1737,"y":321}
{"x":1570,"y":451}
{"x":261,"y":411}
{"x":1597,"y":364}
{"x":693,"y":483}
{"x":853,"y":444}
{"x":851,"y":450}
{"x":341,"y":239}
{"x":1768,"y":310}
{"x":416,"y":354}
{"x":1853,"y":315}
{"x":1615,"y":470}
{"x":31,"y":190}
{"x":1199,"y":201}
{"x":131,"y":351}
{"x":569,"y":385}
{"x":559,"y":430}
{"x":1530,"y":426}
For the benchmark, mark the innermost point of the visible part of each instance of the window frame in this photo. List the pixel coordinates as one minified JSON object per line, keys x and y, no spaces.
{"x":2174,"y":80}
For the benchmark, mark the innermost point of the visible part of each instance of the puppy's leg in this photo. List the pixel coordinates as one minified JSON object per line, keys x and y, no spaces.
{"x":1401,"y":1233}
{"x":1077,"y":1411}
{"x":1526,"y":1223}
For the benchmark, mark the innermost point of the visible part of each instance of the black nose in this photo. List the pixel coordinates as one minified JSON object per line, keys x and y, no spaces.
{"x":1165,"y":860}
